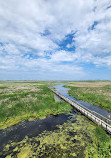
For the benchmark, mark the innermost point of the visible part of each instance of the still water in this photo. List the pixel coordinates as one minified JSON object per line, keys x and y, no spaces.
{"x":64,"y":91}
{"x":60,"y":136}
{"x":63,"y":135}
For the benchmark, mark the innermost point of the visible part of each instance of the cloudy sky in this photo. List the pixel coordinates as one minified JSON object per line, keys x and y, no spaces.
{"x":55,"y":39}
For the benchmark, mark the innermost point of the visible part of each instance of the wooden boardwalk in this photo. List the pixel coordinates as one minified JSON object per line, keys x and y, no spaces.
{"x":92,"y":115}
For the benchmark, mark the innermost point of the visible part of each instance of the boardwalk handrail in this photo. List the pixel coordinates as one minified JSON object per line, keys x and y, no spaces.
{"x":94,"y":116}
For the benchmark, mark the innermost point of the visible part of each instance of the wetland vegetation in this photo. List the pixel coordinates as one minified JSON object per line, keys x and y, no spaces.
{"x":64,"y":134}
{"x":95,"y":92}
{"x":27,"y":100}
{"x":68,"y":135}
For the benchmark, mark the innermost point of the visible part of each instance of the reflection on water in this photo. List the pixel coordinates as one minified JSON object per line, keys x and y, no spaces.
{"x":64,"y":91}
{"x":57,"y":99}
{"x":64,"y":135}
{"x":60,"y":136}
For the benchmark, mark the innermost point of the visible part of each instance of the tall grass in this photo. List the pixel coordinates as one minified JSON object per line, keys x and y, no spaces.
{"x":101,"y":144}
{"x":93,"y":95}
{"x":40,"y":103}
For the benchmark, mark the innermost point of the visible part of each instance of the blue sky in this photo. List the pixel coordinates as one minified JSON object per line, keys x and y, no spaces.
{"x":55,"y":40}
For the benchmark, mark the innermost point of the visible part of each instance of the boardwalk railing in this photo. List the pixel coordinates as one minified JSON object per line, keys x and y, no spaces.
{"x":92,"y":115}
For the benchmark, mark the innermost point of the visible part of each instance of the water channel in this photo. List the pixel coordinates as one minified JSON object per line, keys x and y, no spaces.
{"x":101,"y":111}
{"x":63,"y":135}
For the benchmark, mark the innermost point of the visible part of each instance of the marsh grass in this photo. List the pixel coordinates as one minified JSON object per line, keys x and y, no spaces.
{"x":100,"y":96}
{"x":101,"y":144}
{"x":26,"y":103}
{"x":3,"y":87}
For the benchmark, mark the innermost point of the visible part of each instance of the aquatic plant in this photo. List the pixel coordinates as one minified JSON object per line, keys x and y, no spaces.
{"x":69,"y":139}
{"x":99,"y":96}
{"x":21,"y":101}
{"x":101,"y":144}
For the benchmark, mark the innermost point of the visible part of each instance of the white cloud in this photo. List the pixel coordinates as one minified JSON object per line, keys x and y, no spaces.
{"x":30,"y":31}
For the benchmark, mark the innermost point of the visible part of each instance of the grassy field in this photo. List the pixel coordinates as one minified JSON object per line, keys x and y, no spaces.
{"x":97,"y":93}
{"x":27,"y":100}
{"x":101,"y":144}
{"x":23,"y":100}
{"x":94,"y":92}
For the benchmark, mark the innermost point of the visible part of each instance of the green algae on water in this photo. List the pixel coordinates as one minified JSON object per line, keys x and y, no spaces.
{"x":69,"y":140}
